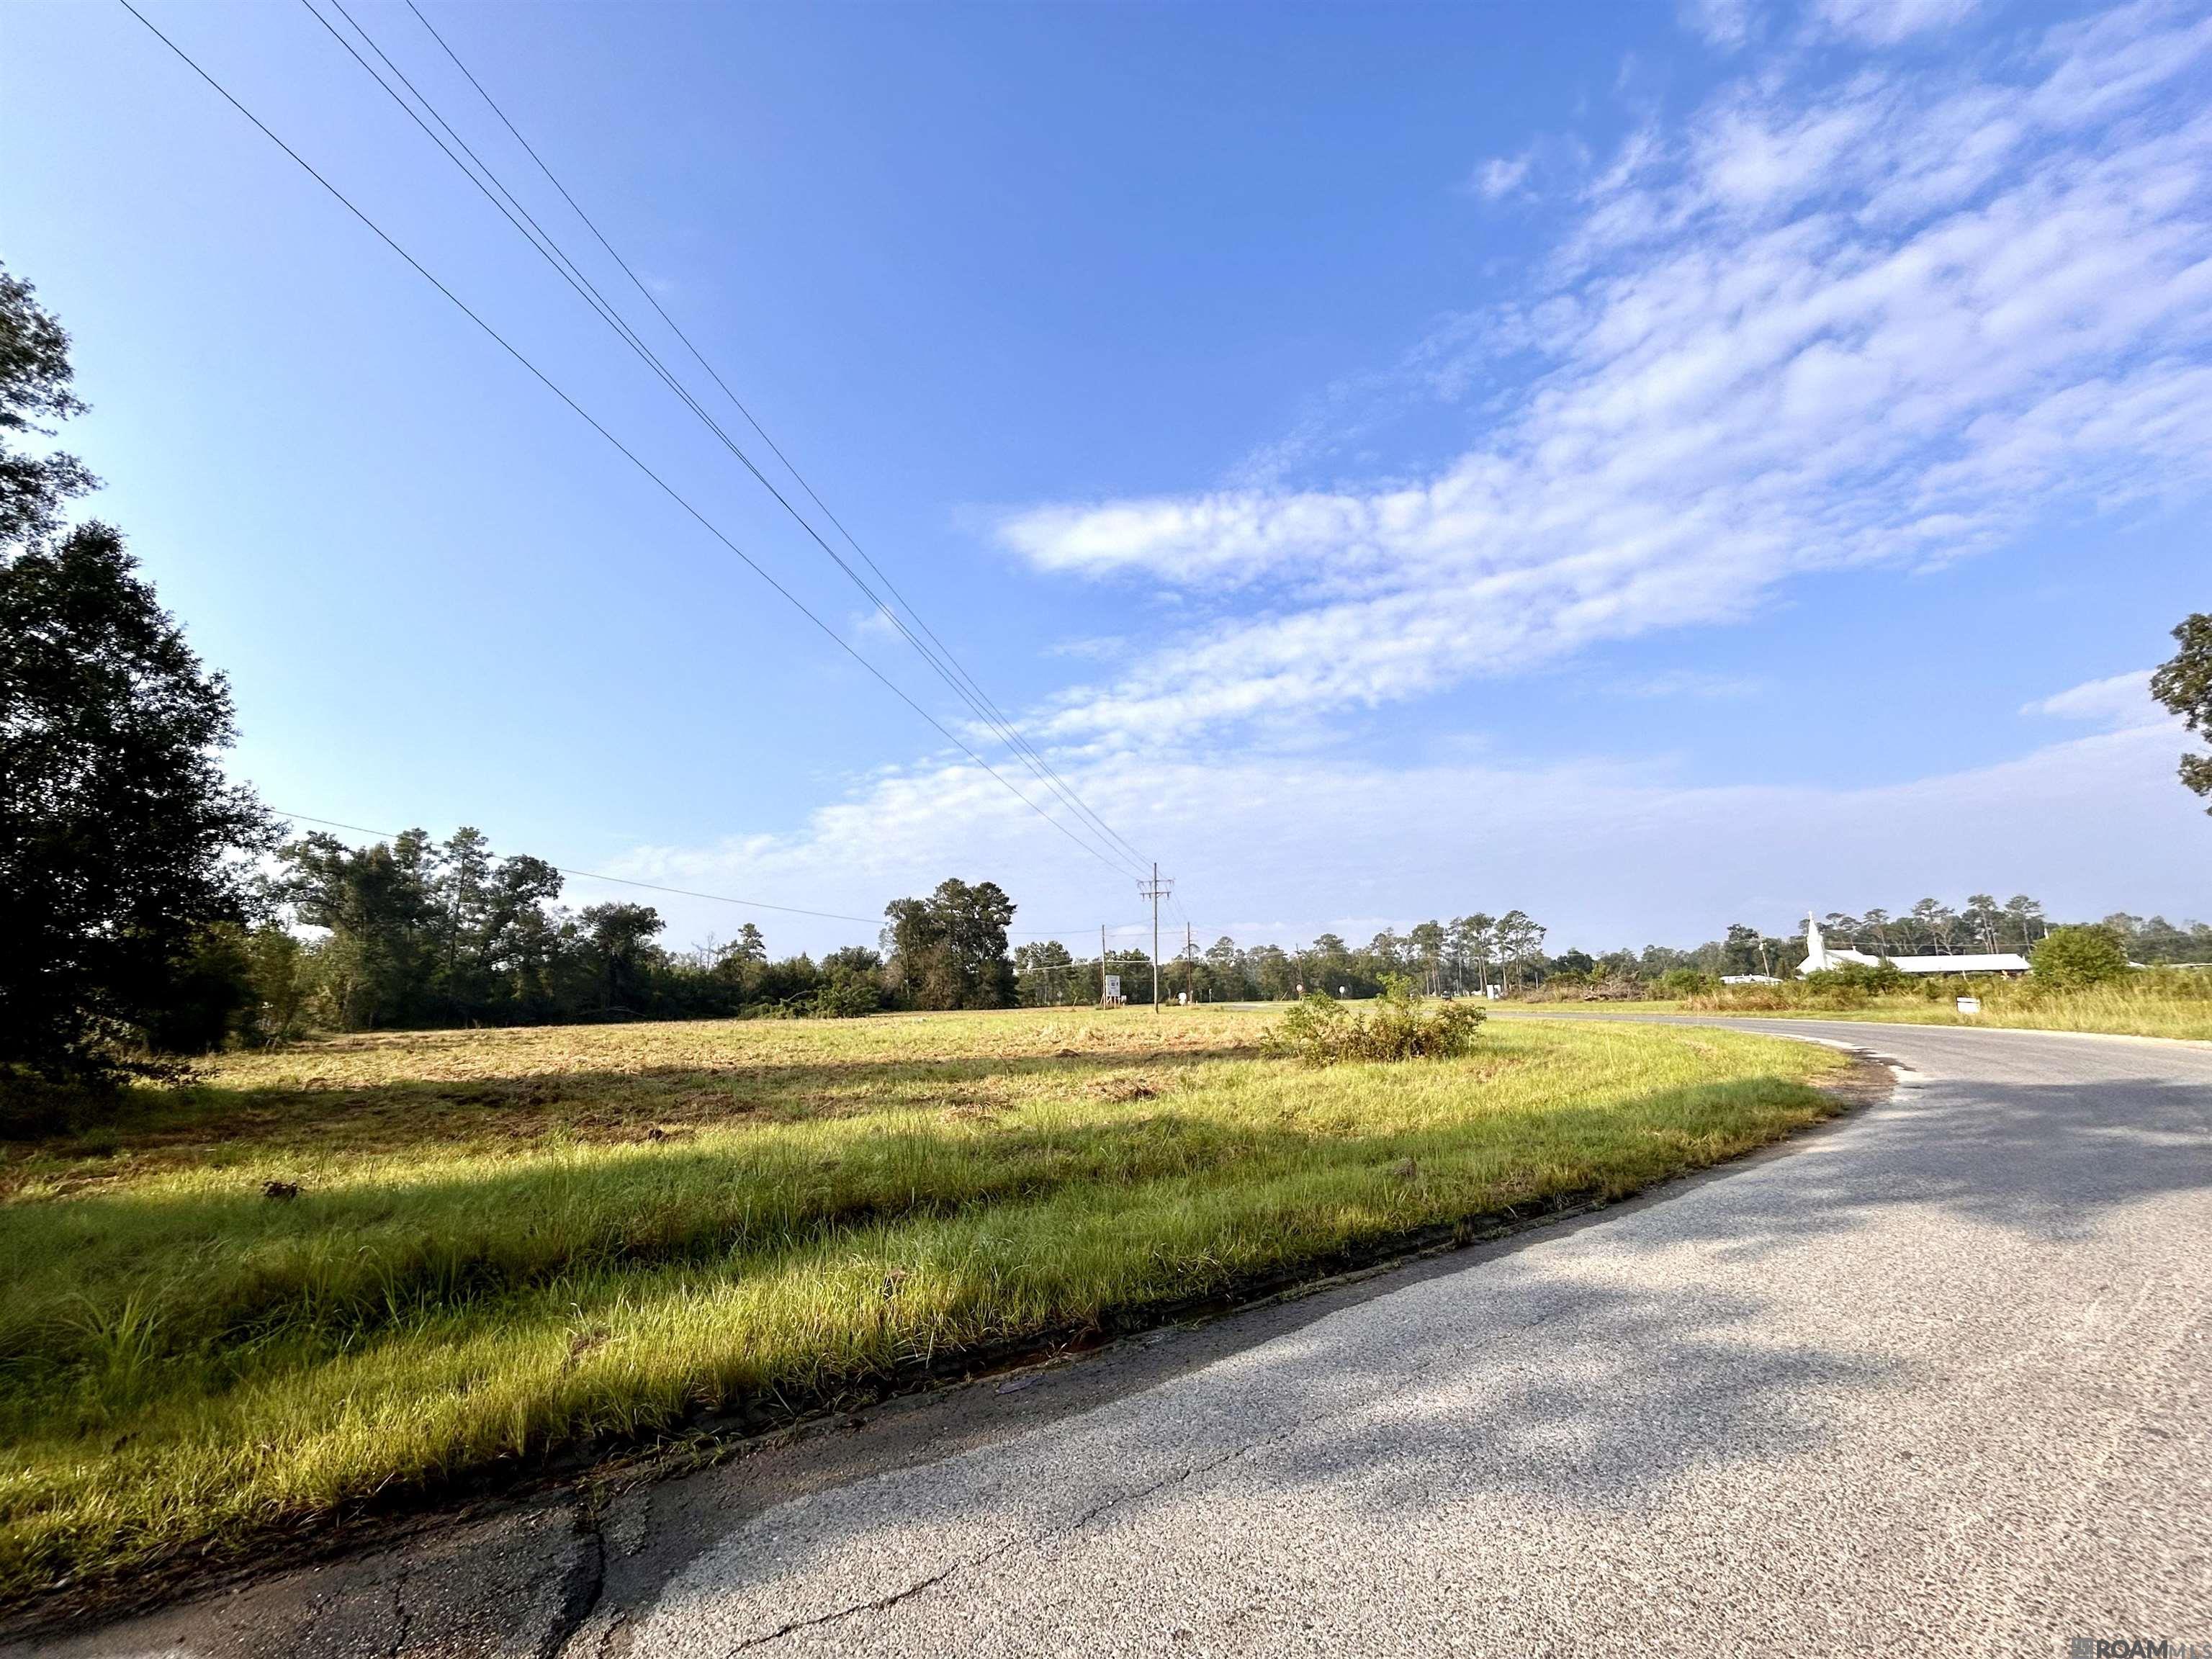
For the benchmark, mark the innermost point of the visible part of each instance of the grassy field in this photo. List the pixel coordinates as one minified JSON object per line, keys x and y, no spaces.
{"x":506,"y":1245}
{"x":2160,"y":1004}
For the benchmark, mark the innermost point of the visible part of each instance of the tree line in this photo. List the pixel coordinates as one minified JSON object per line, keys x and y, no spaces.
{"x":1463,"y":955}
{"x":1459,"y":957}
{"x":414,"y":932}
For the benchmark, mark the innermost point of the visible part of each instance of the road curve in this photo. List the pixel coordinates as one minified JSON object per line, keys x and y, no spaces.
{"x":1939,"y":1375}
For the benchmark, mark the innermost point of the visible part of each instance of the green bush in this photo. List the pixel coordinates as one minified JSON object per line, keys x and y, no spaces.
{"x":1677,"y":982}
{"x":1320,"y":1032}
{"x":1853,"y":982}
{"x":2068,"y":958}
{"x":848,"y":996}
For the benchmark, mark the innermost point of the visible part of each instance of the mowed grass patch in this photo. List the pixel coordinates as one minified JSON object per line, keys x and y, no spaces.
{"x":508,"y":1245}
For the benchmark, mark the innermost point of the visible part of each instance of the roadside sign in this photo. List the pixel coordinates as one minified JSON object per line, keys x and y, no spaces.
{"x":1113,"y":987}
{"x":1970,"y":1005}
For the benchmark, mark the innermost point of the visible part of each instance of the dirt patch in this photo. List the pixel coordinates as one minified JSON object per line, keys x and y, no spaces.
{"x":1122,"y":1089}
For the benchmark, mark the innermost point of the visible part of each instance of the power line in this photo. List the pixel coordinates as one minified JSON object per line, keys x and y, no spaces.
{"x":548,"y":247}
{"x":1010,"y":731}
{"x":627,"y":453}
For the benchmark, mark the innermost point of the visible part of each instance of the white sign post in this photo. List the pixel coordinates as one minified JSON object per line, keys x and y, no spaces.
{"x":1970,"y":1005}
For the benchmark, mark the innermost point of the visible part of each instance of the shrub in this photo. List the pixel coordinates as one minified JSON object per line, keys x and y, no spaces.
{"x":848,"y":996}
{"x":1686,"y":982}
{"x":1855,"y":981}
{"x":2068,"y":958}
{"x":1320,"y":1032}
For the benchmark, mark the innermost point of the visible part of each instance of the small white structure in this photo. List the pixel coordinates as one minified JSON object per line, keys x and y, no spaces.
{"x":1819,"y":956}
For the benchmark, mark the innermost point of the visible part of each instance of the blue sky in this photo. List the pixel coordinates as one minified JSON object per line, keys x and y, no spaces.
{"x":1650,"y":467}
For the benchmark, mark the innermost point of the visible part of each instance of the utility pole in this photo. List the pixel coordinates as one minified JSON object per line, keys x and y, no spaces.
{"x":1189,"y":962}
{"x":1102,"y":964}
{"x":1156,"y":889}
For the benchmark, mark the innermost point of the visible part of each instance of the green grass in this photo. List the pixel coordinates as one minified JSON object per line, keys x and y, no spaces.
{"x":511,"y":1244}
{"x":2172,"y":1003}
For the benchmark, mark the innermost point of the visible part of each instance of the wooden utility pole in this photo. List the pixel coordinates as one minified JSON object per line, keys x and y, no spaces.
{"x":1156,"y":889}
{"x":1102,"y":964}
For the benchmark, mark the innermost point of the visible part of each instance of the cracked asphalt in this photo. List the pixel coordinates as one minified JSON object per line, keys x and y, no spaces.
{"x":1935,"y":1375}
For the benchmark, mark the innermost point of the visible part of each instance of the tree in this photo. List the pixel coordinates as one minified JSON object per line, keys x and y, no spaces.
{"x":1742,"y":951}
{"x":1935,"y":922}
{"x":619,"y":952}
{"x":850,"y":983}
{"x":2071,"y":958}
{"x":376,"y":905}
{"x":2025,"y":916}
{"x":1517,"y":939}
{"x":1274,"y":974}
{"x":487,"y":919}
{"x":2184,"y":684}
{"x":949,"y":951}
{"x":116,"y":824}
{"x":1426,"y":941}
{"x":1579,"y":964}
{"x":1041,"y":971}
{"x":35,"y":380}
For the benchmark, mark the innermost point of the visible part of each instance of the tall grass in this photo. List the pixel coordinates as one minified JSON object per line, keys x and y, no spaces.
{"x":493,"y":1258}
{"x":2166,"y":1002}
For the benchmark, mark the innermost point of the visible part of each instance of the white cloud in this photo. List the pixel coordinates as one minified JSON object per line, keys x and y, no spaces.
{"x":1891,"y":321}
{"x":1500,"y":176}
{"x":1694,"y":683}
{"x":1726,"y":24}
{"x":1291,"y":847}
{"x":1886,"y":22}
{"x":2121,"y":701}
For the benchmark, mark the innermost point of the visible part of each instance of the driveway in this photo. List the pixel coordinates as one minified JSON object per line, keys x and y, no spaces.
{"x":1936,"y":1378}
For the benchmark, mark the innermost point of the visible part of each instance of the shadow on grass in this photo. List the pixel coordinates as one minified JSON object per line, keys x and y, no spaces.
{"x":372,"y":1119}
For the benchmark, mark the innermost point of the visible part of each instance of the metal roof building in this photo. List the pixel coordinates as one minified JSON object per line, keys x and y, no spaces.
{"x":1819,"y":956}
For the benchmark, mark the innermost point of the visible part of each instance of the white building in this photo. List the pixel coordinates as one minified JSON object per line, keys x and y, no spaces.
{"x":1819,"y":956}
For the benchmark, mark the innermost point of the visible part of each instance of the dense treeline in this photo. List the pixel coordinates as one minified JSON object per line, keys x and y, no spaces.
{"x":1460,"y":955}
{"x":1463,"y":955}
{"x":415,"y":932}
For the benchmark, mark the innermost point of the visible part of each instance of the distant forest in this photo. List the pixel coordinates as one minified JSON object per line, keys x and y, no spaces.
{"x":1463,"y":955}
{"x":415,"y":933}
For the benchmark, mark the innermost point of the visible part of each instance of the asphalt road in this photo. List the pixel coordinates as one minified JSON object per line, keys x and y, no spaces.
{"x":1937,"y":1378}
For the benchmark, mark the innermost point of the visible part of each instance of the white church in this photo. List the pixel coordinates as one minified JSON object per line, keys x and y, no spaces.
{"x":1819,"y":956}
